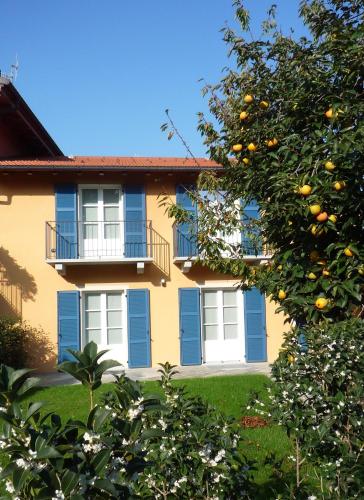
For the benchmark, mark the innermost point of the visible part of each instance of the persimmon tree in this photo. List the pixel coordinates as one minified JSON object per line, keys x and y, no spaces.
{"x":287,"y":126}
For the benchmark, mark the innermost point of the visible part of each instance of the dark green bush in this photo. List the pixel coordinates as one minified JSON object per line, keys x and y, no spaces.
{"x":12,"y":349}
{"x":23,"y":345}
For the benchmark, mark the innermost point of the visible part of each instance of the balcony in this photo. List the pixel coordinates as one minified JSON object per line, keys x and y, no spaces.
{"x":185,"y":249}
{"x":72,"y":243}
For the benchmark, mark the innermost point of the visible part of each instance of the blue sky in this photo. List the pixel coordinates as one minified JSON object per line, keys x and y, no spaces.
{"x":99,"y":75}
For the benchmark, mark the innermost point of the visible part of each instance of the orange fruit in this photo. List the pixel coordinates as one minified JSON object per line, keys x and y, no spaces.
{"x":315,"y":209}
{"x":325,"y":272}
{"x":333,"y":218}
{"x":305,"y":190}
{"x":237,"y":148}
{"x":244,"y":115}
{"x":339,"y":185}
{"x":348,"y":252}
{"x":264,"y":105}
{"x":330,"y":114}
{"x":329,"y":165}
{"x":272,"y":142}
{"x":282,"y":294}
{"x":280,"y":267}
{"x":321,"y":302}
{"x":322,"y":217}
{"x":311,"y":276}
{"x":248,"y":99}
{"x":252,"y":147}
{"x":246,"y":161}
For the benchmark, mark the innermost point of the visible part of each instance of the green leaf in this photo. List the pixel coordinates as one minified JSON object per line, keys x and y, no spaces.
{"x":100,"y":460}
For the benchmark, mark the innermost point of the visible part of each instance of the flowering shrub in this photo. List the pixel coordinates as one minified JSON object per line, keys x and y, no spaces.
{"x":134,"y":445}
{"x":318,"y":396}
{"x":190,"y":449}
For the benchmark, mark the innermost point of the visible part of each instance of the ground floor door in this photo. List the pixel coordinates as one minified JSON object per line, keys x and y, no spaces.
{"x":222,"y":326}
{"x":104,"y":322}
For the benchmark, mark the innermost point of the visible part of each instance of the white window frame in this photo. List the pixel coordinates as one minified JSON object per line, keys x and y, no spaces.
{"x":103,"y":320}
{"x":220,"y":312}
{"x":100,"y":207}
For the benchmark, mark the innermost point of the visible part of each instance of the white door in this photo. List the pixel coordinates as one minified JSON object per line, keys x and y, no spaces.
{"x":222,"y":326}
{"x":101,"y":232}
{"x":104,"y":323}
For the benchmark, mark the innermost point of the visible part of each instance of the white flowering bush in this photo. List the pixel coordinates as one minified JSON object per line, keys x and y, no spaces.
{"x":133,"y":445}
{"x":318,"y":396}
{"x":191,"y":450}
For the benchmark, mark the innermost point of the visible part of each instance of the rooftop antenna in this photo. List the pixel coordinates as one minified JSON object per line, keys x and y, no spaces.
{"x":14,"y":69}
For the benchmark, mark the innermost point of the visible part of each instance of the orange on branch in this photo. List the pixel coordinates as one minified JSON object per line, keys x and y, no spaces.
{"x":339,"y":185}
{"x":246,"y":161}
{"x":264,"y":105}
{"x":315,"y":209}
{"x":237,"y":148}
{"x":244,"y":115}
{"x":282,"y":294}
{"x":321,"y":302}
{"x":248,"y":99}
{"x":322,"y":217}
{"x":252,"y":147}
{"x":305,"y":190}
{"x":348,"y":252}
{"x":329,"y":165}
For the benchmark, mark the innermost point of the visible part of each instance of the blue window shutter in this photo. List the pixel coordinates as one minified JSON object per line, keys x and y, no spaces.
{"x":301,"y":335}
{"x":66,"y":221}
{"x":186,"y":232}
{"x":250,"y":246}
{"x":135,"y":232}
{"x":190,"y":326}
{"x":138,"y":328}
{"x":68,"y":306}
{"x":255,"y":328}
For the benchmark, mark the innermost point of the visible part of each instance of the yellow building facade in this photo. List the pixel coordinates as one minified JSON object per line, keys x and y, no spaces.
{"x":86,"y":244}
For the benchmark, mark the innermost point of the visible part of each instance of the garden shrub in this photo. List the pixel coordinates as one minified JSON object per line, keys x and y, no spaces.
{"x":23,"y":345}
{"x":12,"y":351}
{"x":318,"y":396}
{"x":133,"y":445}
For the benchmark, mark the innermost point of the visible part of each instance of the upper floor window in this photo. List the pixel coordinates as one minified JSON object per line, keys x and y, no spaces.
{"x":100,"y":216}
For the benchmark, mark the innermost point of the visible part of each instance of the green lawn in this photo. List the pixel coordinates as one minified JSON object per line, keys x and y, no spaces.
{"x":227,"y":393}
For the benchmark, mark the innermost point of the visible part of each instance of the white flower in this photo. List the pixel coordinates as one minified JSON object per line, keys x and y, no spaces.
{"x":133,"y":413}
{"x":9,"y":487}
{"x":59,"y":495}
{"x":162,"y":423}
{"x":22,"y":463}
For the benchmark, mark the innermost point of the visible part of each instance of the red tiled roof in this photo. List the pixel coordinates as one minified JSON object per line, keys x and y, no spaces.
{"x":127,"y":162}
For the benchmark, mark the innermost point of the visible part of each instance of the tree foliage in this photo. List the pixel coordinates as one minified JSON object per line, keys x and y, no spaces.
{"x":287,"y":126}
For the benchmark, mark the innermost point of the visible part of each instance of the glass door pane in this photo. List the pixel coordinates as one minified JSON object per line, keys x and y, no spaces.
{"x":114,"y":320}
{"x":89,"y":226}
{"x":111,"y":221}
{"x":230,"y":315}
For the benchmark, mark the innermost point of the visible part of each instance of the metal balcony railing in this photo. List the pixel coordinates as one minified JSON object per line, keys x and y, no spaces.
{"x":106,"y":240}
{"x":185,"y":243}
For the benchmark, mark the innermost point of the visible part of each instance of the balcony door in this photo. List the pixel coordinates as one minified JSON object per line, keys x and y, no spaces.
{"x":222,"y":328}
{"x":101,"y":231}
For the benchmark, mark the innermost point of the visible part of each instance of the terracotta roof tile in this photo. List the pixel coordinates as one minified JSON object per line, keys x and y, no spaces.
{"x":113,"y":162}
